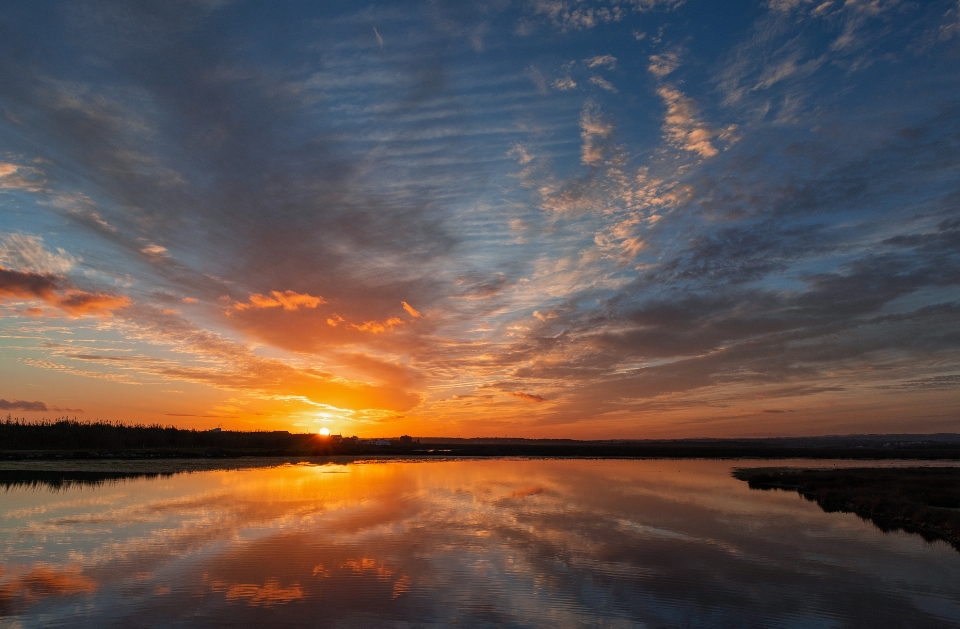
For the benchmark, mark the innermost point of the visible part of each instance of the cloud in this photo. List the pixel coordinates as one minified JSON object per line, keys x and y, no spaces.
{"x":27,"y":284}
{"x":608,"y":61}
{"x":229,"y":365}
{"x":28,"y":253}
{"x":378,"y":327}
{"x":594,"y":131}
{"x":950,"y":27}
{"x":81,"y":209}
{"x":578,"y":15}
{"x":520,"y":154}
{"x":732,"y":309}
{"x":17,"y":177}
{"x":663,"y":64}
{"x":787,"y":5}
{"x":791,"y":67}
{"x":529,"y":397}
{"x":288,"y":300}
{"x":540,"y":81}
{"x":375,"y":325}
{"x":603,"y":83}
{"x":56,"y":291}
{"x":155,"y":252}
{"x":685,"y":130}
{"x":379,"y":369}
{"x":20,"y":405}
{"x":564,"y":84}
{"x":344,"y":221}
{"x":410,"y":310}
{"x":934,"y":382}
{"x":80,"y":303}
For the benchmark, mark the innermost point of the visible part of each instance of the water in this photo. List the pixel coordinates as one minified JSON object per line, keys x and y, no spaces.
{"x":469,"y":543}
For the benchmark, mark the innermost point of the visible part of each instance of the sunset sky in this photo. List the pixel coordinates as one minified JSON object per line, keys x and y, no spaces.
{"x":536,"y":218}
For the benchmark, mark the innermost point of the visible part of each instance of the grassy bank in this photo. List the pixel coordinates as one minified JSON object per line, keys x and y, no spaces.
{"x":924,"y":501}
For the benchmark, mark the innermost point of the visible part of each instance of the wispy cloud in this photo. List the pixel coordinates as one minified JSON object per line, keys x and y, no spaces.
{"x":602,"y":83}
{"x":26,"y":252}
{"x":568,"y":15}
{"x":18,"y":177}
{"x":594,"y":133}
{"x":607,"y":61}
{"x":684,"y":128}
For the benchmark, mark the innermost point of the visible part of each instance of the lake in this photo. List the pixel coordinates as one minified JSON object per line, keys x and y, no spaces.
{"x":459,"y":543}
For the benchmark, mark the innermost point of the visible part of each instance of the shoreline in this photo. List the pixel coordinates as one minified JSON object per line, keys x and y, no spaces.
{"x":132,"y":467}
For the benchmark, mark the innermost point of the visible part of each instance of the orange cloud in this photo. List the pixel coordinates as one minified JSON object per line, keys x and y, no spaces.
{"x":55,"y":291}
{"x":411,"y":310}
{"x":272,"y":377}
{"x":288,"y":300}
{"x":381,"y":370}
{"x":377,"y":327}
{"x":79,"y":303}
{"x":233,"y":366}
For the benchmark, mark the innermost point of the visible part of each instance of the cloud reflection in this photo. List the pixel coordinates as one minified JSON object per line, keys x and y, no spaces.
{"x":478,"y":543}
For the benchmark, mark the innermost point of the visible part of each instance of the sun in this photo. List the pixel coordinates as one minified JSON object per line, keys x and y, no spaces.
{"x":325,"y":431}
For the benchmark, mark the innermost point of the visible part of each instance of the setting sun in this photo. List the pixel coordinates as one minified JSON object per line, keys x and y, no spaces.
{"x":325,"y":431}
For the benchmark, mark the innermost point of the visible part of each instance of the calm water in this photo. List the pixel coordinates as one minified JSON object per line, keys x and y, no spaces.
{"x":483,"y":543}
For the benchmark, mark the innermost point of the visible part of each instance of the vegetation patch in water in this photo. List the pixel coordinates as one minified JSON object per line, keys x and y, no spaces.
{"x":920,"y":500}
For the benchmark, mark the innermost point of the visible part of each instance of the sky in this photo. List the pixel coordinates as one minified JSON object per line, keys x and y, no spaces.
{"x":530,"y":218}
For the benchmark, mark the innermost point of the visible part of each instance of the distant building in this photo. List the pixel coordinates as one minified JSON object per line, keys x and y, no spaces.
{"x":381,"y":442}
{"x":217,"y":429}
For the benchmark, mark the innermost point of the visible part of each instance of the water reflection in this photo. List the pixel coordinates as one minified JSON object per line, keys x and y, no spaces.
{"x":501,"y":543}
{"x":57,"y":479}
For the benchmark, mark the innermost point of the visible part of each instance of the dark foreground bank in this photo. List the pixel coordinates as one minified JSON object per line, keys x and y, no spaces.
{"x":67,"y":439}
{"x":920,"y":500}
